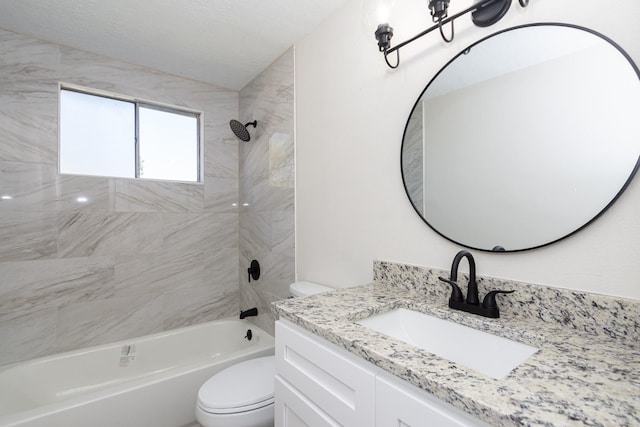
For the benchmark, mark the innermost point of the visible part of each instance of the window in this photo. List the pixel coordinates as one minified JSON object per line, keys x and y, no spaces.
{"x":119,"y":137}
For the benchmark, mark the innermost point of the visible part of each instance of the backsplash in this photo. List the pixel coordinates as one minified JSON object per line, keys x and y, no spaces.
{"x":591,"y":313}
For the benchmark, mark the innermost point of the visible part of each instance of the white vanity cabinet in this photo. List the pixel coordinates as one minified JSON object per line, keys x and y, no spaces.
{"x":399,"y":403}
{"x":320,"y":384}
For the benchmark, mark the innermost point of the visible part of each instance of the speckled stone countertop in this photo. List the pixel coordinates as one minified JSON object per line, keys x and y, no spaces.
{"x":586,"y":372}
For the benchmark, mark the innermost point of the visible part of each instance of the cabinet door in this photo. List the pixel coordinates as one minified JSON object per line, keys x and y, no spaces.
{"x":336,"y":381}
{"x":294,"y":410}
{"x":401,"y":404}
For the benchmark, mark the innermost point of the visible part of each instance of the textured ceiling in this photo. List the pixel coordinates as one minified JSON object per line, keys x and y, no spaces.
{"x":223,"y":42}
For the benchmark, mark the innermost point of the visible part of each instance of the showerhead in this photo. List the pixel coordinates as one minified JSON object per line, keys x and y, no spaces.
{"x":240,"y":130}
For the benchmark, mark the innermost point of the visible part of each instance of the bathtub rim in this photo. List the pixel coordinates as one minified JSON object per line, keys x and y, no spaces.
{"x":265,"y":347}
{"x":124,"y":341}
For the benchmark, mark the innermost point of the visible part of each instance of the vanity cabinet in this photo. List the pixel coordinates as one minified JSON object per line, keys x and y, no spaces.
{"x":320,"y":384}
{"x":399,"y":403}
{"x":293,"y":409}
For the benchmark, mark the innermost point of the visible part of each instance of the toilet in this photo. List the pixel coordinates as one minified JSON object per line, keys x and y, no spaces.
{"x":242,"y":395}
{"x":301,"y":289}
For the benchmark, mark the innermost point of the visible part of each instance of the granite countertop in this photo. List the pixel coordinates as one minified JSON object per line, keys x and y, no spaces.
{"x":579,"y":376}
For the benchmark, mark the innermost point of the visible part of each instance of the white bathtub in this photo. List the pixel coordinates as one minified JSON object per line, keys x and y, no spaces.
{"x":146,"y":381}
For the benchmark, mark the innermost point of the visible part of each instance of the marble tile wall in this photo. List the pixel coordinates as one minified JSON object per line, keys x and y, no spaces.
{"x":138,"y":257}
{"x":267,"y":189}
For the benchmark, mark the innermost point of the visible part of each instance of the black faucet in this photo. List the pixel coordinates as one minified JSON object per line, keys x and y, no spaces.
{"x":489,"y":307}
{"x":251,"y":312}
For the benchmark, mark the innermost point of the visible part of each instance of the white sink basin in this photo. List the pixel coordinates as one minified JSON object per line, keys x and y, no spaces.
{"x":492,"y":355}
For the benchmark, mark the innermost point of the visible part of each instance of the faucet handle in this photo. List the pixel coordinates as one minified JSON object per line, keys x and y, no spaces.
{"x":456,"y":292}
{"x":489,"y":300}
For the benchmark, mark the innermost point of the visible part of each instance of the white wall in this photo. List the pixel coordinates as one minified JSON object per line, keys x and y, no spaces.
{"x":351,"y":110}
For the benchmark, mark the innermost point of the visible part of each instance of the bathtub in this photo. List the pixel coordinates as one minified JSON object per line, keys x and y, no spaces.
{"x":147,"y":381}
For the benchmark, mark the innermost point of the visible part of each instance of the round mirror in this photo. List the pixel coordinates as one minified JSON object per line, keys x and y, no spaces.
{"x":524,"y":138}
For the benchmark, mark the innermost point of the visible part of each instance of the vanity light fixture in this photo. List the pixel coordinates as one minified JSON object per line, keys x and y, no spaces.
{"x":483,"y":14}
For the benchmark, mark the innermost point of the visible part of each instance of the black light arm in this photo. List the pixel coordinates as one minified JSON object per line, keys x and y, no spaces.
{"x":384,"y":33}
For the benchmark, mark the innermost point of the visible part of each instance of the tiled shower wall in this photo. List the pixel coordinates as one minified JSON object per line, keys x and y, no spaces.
{"x":140,"y":256}
{"x":267,"y":189}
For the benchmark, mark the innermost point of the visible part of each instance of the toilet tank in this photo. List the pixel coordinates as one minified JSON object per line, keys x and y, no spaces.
{"x":304,"y":288}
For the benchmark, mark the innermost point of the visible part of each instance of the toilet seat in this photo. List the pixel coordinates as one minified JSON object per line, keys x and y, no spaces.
{"x":243,"y":387}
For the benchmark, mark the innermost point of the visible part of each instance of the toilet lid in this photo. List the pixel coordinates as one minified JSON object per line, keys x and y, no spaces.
{"x":304,"y":288}
{"x":241,"y":387}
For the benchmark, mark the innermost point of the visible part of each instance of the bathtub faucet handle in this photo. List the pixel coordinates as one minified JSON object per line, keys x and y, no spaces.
{"x":254,"y":270}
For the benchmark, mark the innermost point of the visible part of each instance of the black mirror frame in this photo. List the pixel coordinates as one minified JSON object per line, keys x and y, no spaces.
{"x":499,"y":249}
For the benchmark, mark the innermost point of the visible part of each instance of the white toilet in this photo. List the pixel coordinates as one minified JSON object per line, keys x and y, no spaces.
{"x":301,"y":289}
{"x":242,"y":395}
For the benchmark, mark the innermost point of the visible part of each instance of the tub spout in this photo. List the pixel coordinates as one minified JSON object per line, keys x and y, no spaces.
{"x":251,"y":312}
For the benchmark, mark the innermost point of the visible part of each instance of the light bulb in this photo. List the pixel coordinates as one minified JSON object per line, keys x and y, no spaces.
{"x":374,"y":13}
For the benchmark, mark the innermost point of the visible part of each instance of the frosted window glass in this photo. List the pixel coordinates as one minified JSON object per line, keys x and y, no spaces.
{"x":97,"y":135}
{"x":168,"y":145}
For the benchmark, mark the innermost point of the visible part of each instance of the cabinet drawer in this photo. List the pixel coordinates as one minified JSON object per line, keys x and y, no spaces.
{"x":326,"y":375}
{"x":401,"y":404}
{"x":294,"y":410}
